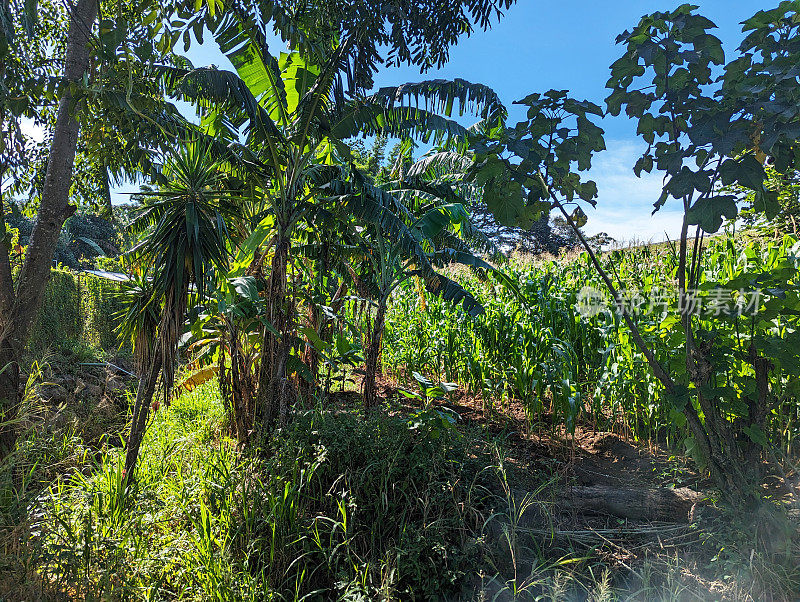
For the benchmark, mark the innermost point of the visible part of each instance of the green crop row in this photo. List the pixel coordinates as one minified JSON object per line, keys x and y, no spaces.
{"x":564,"y":364}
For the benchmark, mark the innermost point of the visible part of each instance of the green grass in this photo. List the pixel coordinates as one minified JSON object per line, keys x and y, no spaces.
{"x":335,"y":506}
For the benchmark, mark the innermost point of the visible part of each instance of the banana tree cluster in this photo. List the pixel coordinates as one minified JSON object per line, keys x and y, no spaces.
{"x":265,"y":220}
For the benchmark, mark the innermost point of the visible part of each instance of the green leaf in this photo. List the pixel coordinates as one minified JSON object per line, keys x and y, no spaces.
{"x":708,"y":212}
{"x":94,"y":246}
{"x":246,"y":287}
{"x":579,"y":217}
{"x":750,"y":173}
{"x":314,"y":338}
{"x":243,"y":42}
{"x":756,"y":435}
{"x":244,"y":253}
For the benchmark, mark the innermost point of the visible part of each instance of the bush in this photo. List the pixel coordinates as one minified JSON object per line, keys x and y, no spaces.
{"x":77,"y":309}
{"x":395,"y":506}
{"x":60,"y":319}
{"x":348,"y":508}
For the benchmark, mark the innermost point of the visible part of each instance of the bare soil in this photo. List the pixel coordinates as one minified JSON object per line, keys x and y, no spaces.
{"x":589,"y":460}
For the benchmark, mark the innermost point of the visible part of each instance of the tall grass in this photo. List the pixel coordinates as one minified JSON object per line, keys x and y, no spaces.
{"x":334,"y":506}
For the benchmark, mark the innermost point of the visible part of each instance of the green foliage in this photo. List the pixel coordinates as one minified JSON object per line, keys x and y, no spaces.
{"x":183,"y":223}
{"x":787,"y":219}
{"x":30,"y":35}
{"x":76,"y":309}
{"x":406,"y":498}
{"x":540,"y":350}
{"x":533,"y":347}
{"x":60,"y":317}
{"x":100,"y":304}
{"x":419,"y":35}
{"x":336,"y":507}
{"x":706,"y":133}
{"x":85,"y":238}
{"x":520,"y":168}
{"x":340,"y":505}
{"x":137,"y":317}
{"x":761,"y":86}
{"x":723,"y":126}
{"x":673,"y":53}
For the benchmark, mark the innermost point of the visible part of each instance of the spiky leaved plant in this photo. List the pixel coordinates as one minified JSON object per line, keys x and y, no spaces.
{"x":184,"y":236}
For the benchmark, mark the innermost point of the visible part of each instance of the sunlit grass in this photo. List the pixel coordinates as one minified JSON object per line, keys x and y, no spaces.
{"x":336,"y":504}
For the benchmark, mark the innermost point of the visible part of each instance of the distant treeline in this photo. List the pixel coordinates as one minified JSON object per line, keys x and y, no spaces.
{"x":84,"y":238}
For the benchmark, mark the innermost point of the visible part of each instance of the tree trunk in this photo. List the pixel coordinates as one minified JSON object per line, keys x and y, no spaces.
{"x":54,"y":209}
{"x":758,"y":408}
{"x":141,"y":410}
{"x":272,"y":402}
{"x":373,"y":355}
{"x":728,"y":458}
{"x":9,"y":385}
{"x":651,"y":504}
{"x":9,"y":367}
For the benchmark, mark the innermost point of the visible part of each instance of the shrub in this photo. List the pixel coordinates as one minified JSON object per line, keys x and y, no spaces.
{"x":335,"y":506}
{"x":394,"y":507}
{"x":60,"y":318}
{"x":77,"y":309}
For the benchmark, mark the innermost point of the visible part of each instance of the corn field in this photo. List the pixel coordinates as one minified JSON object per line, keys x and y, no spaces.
{"x":536,"y":347}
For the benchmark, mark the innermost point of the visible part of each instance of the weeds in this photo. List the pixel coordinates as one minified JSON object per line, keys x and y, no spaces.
{"x":334,"y":506}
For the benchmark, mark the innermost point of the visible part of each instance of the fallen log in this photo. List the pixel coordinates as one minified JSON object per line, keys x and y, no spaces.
{"x":648,"y":504}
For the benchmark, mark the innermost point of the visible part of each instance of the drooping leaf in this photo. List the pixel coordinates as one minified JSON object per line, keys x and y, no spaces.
{"x":708,"y":212}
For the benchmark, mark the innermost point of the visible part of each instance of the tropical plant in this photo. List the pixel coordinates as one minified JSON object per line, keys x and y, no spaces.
{"x":185,"y":240}
{"x":297,"y":117}
{"x":113,"y":110}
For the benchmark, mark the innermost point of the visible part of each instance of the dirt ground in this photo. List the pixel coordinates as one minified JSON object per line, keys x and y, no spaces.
{"x":583,"y":458}
{"x":591,"y":460}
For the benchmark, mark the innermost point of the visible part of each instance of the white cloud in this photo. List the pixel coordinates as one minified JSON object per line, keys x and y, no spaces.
{"x":625,"y":202}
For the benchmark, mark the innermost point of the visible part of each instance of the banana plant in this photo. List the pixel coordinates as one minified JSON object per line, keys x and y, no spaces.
{"x":389,"y":264}
{"x":293,"y":118}
{"x":224,"y":344}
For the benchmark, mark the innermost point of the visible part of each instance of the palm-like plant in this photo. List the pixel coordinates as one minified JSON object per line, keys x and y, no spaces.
{"x":442,"y":230}
{"x":184,"y":238}
{"x":296,"y":118}
{"x":138,"y":319}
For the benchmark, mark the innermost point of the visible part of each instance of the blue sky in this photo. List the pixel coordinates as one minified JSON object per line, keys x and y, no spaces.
{"x":569,"y":44}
